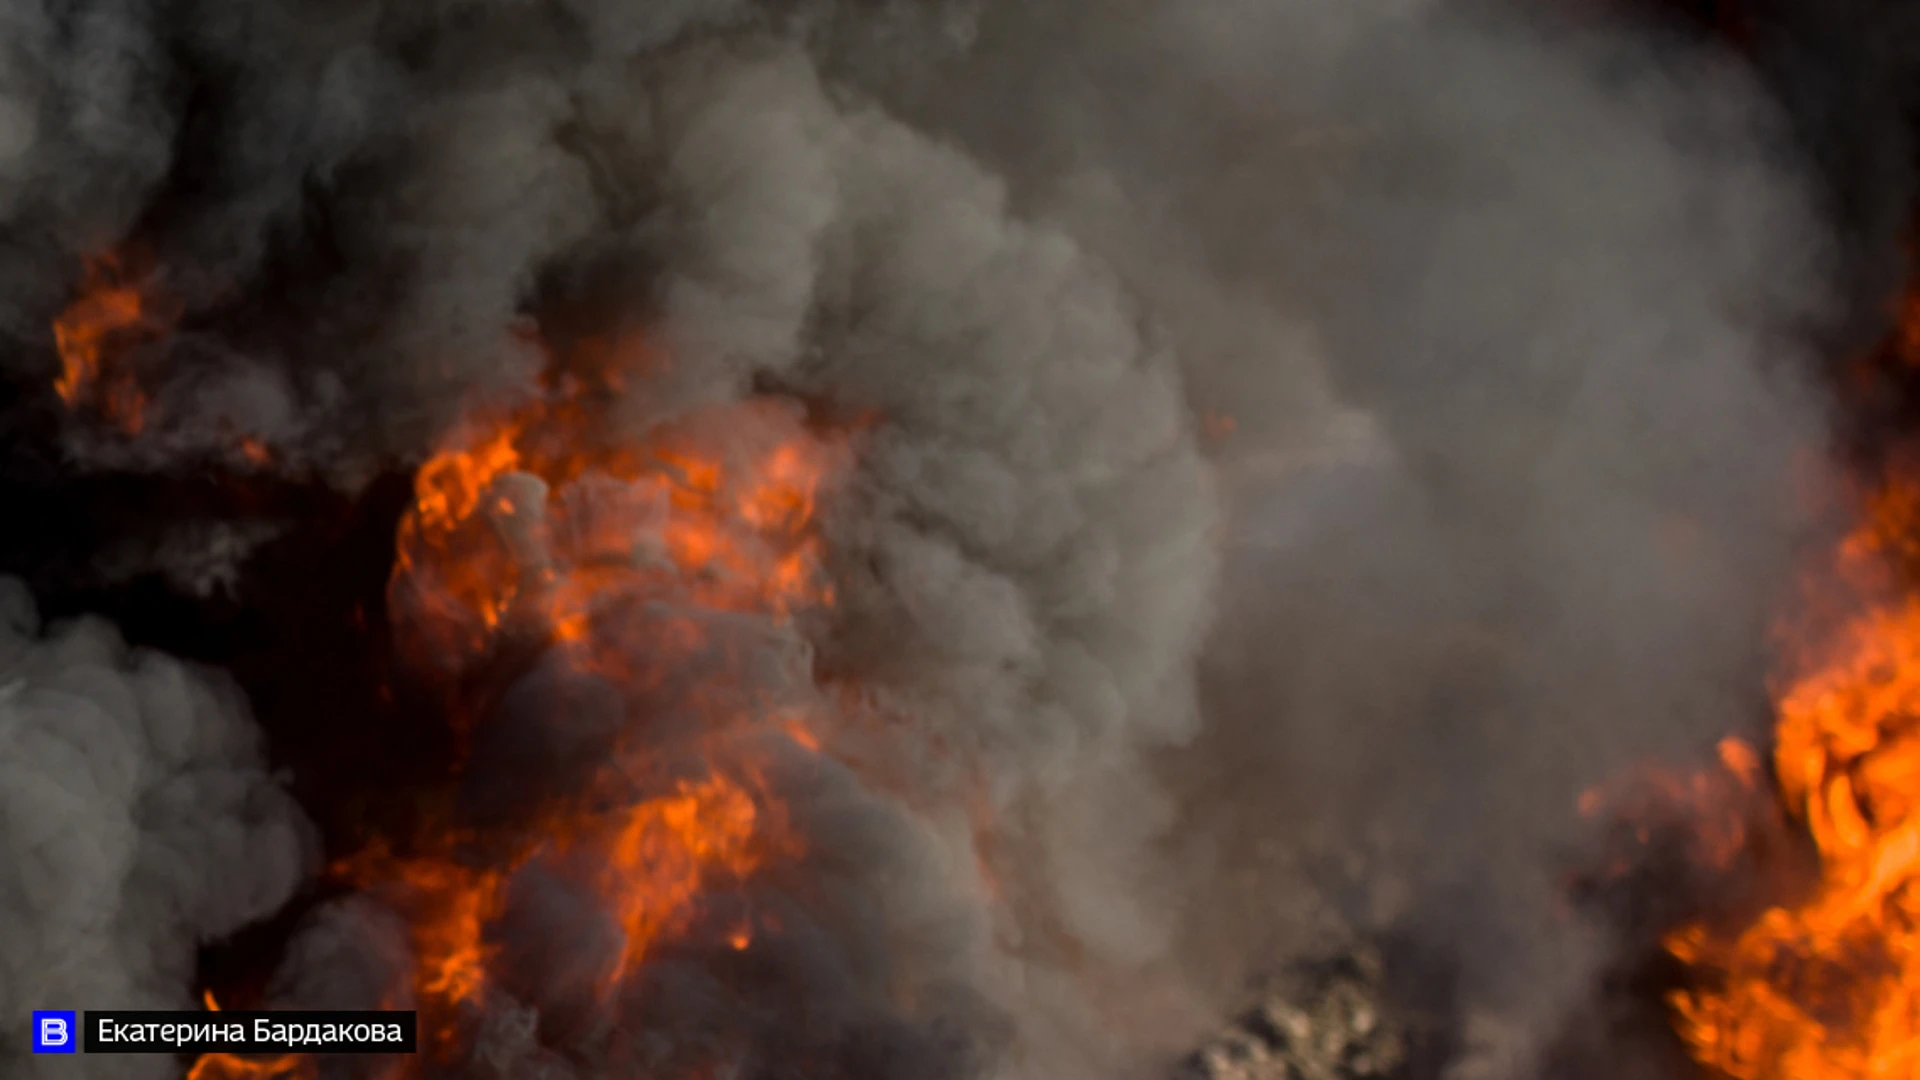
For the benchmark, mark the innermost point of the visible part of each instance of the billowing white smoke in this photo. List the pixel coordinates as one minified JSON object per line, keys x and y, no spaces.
{"x":1031,"y":238}
{"x":138,"y":821}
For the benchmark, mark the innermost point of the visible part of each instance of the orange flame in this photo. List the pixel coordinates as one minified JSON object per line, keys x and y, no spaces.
{"x":524,"y":526}
{"x":114,"y":312}
{"x":479,"y":551}
{"x":1829,"y":988}
{"x":232,"y":1067}
{"x":653,"y":859}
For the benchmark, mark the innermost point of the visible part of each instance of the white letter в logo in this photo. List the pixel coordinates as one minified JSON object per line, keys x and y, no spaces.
{"x":52,"y":1032}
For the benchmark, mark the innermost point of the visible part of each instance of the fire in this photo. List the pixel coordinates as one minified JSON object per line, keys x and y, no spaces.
{"x":232,"y":1067}
{"x":652,"y":860}
{"x":105,"y":338}
{"x":537,"y":525}
{"x":1709,"y":802}
{"x":115,"y":313}
{"x":1828,"y":988}
{"x":488,"y":554}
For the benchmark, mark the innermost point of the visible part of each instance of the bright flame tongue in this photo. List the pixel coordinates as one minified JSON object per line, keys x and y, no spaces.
{"x":1830,"y":989}
{"x":532,"y":529}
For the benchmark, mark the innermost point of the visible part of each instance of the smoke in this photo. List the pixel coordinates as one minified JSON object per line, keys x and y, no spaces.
{"x":1843,"y":74}
{"x":139,"y":822}
{"x":1508,"y":316}
{"x":1022,"y":558}
{"x":1516,"y":318}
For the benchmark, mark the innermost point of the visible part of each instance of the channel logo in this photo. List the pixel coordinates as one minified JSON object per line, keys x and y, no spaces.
{"x":54,"y":1032}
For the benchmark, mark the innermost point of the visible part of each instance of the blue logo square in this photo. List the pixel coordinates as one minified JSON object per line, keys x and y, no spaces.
{"x":54,"y":1032}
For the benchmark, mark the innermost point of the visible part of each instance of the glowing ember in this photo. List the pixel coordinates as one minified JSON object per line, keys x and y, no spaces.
{"x":1829,"y":988}
{"x":114,"y":313}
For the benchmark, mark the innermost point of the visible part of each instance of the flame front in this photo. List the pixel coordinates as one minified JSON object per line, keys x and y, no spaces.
{"x":1829,"y":988}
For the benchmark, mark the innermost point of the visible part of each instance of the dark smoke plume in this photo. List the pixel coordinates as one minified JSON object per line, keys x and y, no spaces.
{"x":1512,"y":314}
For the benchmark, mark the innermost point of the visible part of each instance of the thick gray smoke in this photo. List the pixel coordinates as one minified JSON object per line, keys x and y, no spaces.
{"x":1559,"y":280}
{"x":139,"y":822}
{"x":1501,"y":313}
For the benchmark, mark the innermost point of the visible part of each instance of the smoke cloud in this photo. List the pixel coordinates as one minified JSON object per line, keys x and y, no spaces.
{"x":1515,"y":317}
{"x":139,"y":822}
{"x":1281,"y":426}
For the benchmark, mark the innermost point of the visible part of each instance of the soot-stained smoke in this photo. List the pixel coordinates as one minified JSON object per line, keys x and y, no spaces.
{"x":1505,"y":312}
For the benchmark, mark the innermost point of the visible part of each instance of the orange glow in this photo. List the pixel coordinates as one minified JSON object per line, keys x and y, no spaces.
{"x":797,"y":730}
{"x":114,"y":313}
{"x":1887,"y":537}
{"x":658,"y":859}
{"x":652,"y":860}
{"x":1710,"y":803}
{"x":542,"y":524}
{"x":1828,"y":988}
{"x":483,"y":557}
{"x":253,"y":451}
{"x":231,"y":1067}
{"x":448,"y":905}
